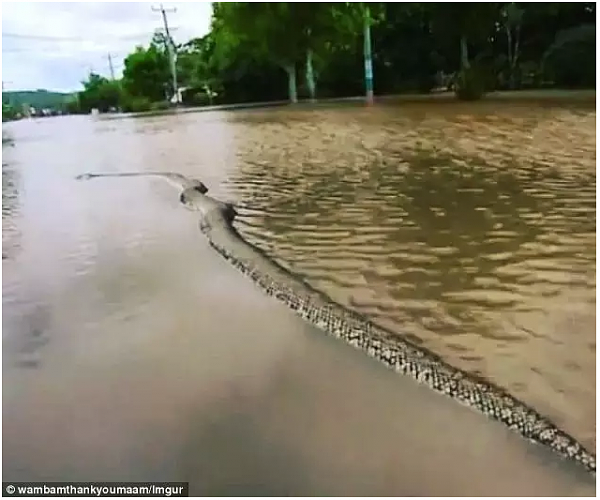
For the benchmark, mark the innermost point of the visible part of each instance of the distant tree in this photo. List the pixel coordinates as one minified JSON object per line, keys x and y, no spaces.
{"x":265,"y":31}
{"x":288,"y":34}
{"x":512,"y":17}
{"x":196,"y":71}
{"x":146,"y":73}
{"x":259,"y":51}
{"x":100,"y":93}
{"x":467,"y":26}
{"x":571,"y":60}
{"x":404,"y":51}
{"x":328,"y":30}
{"x":8,"y":113}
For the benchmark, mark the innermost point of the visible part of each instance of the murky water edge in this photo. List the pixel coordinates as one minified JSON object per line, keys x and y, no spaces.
{"x":469,"y":228}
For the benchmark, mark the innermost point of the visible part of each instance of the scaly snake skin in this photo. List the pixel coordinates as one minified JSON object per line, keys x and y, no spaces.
{"x":393,"y":351}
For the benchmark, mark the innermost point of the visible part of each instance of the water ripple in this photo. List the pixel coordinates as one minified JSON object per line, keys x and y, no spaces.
{"x":467,"y":227}
{"x":472,"y":231}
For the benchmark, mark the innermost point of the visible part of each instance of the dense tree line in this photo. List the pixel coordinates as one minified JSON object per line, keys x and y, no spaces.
{"x":272,"y":51}
{"x":15,"y":102}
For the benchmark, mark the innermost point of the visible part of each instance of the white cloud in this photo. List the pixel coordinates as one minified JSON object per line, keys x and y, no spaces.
{"x":54,"y":45}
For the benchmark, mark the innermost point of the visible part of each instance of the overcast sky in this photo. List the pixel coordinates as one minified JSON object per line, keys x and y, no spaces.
{"x":55,"y":45}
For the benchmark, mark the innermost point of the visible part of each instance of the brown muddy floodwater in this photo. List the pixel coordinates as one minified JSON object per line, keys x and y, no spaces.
{"x":469,"y":228}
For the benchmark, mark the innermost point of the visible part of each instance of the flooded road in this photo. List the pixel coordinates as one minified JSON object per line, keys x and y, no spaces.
{"x":468,"y":228}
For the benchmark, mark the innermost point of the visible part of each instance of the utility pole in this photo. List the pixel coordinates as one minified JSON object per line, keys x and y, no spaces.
{"x":170,"y":48}
{"x":110,"y":65}
{"x":368,"y":57}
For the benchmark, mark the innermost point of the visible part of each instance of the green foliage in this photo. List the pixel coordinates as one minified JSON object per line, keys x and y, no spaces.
{"x":470,"y":84}
{"x":283,"y":33}
{"x":99,"y":93}
{"x":194,"y":61}
{"x":247,"y":80}
{"x":255,"y":51}
{"x":402,"y":26}
{"x":36,"y":98}
{"x":9,"y":112}
{"x":146,"y":78}
{"x":196,"y":96}
{"x":450,"y":23}
{"x":265,"y":30}
{"x":159,"y":106}
{"x":571,"y":60}
{"x":73,"y":107}
{"x":146,"y":73}
{"x":136,"y":104}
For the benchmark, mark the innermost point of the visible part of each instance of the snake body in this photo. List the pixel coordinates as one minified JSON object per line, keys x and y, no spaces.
{"x":399,"y":354}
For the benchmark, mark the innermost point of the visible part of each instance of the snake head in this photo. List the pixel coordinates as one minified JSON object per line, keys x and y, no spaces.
{"x":84,"y":177}
{"x":200,"y":187}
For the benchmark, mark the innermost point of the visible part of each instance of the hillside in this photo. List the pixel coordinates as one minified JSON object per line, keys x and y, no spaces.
{"x":36,"y":98}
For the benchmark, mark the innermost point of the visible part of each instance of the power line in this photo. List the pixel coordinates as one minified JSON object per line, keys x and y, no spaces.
{"x":22,"y":36}
{"x":39,"y":37}
{"x":49,"y":50}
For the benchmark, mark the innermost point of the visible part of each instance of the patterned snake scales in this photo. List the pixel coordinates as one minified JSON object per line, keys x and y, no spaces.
{"x":216,"y":223}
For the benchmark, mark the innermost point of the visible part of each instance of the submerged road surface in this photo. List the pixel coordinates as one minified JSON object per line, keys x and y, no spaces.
{"x":241,"y":397}
{"x":132,"y":351}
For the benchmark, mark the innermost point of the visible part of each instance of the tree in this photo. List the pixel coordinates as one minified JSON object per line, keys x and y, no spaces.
{"x":266,"y":31}
{"x":146,"y":74}
{"x":260,"y":51}
{"x":571,"y":59}
{"x":280,"y":32}
{"x":404,"y":52}
{"x":512,"y":16}
{"x":325,"y":29}
{"x":468,"y":25}
{"x":316,"y":26}
{"x":195,"y":67}
{"x":8,"y":113}
{"x":100,"y":93}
